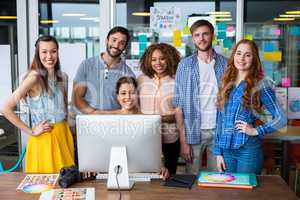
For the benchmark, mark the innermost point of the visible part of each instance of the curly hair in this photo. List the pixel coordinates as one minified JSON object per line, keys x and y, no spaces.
{"x":251,"y":96}
{"x":170,"y":53}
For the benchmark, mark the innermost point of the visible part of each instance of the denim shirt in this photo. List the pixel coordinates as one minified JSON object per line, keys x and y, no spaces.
{"x":227,"y":136}
{"x":47,"y":106}
{"x":186,"y":93}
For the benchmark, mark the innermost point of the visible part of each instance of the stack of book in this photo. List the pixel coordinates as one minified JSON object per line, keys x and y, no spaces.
{"x":227,"y":180}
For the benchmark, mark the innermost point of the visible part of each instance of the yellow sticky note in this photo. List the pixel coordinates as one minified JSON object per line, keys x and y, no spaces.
{"x":186,"y":30}
{"x":249,"y":37}
{"x":177,"y":38}
{"x":273,"y":56}
{"x":214,"y":42}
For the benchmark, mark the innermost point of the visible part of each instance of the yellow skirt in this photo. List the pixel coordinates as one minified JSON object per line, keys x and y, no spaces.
{"x":50,"y":151}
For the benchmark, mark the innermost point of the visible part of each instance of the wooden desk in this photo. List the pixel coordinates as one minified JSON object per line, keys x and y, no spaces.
{"x":270,"y":187}
{"x":285,"y":136}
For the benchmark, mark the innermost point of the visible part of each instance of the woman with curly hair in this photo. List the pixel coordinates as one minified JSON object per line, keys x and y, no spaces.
{"x":243,"y":97}
{"x":156,"y":85}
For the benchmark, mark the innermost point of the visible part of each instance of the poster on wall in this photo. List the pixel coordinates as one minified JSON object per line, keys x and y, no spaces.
{"x":165,"y":18}
{"x":294,"y":103}
{"x":281,"y":95}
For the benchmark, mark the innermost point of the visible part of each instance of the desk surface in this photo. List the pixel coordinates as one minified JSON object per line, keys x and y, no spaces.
{"x":289,"y":133}
{"x":270,"y":187}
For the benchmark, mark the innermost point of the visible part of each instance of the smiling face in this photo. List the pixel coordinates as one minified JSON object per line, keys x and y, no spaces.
{"x":202,"y":38}
{"x":243,"y":57}
{"x":116,"y":44}
{"x":127,"y":96}
{"x":48,"y":53}
{"x":158,"y":63}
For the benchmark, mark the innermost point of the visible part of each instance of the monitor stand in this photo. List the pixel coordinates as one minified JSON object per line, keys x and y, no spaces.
{"x":118,"y":163}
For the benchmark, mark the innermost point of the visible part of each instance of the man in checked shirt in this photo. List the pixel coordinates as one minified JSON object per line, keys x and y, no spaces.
{"x":196,"y":86}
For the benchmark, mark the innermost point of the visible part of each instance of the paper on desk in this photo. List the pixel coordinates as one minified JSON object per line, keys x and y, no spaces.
{"x":69,"y":194}
{"x":35,"y":179}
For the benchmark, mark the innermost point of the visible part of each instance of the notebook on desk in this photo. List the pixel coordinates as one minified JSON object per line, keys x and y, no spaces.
{"x":227,"y":180}
{"x":181,"y":180}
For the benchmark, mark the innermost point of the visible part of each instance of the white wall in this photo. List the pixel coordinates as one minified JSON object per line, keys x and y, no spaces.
{"x":71,"y":55}
{"x":5,"y":73}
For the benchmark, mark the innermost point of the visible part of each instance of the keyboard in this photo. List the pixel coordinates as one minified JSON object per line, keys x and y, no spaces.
{"x":137,"y":177}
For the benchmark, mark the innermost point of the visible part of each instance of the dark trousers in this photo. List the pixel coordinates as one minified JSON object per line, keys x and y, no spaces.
{"x":171,"y":155}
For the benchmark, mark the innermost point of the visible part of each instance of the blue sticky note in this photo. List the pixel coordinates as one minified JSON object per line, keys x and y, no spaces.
{"x":276,"y":77}
{"x":268,"y":47}
{"x":142,"y":47}
{"x":143,"y":38}
{"x":295,"y":31}
{"x":221,"y":35}
{"x":227,"y":43}
{"x":222,"y":26}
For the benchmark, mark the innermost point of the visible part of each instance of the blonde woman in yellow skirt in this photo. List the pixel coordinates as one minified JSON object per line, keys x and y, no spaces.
{"x":50,"y":145}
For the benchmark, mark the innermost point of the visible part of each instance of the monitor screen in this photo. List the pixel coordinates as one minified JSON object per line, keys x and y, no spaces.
{"x":140,"y":134}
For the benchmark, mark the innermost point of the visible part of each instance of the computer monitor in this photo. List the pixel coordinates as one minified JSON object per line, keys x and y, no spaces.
{"x":139,"y":135}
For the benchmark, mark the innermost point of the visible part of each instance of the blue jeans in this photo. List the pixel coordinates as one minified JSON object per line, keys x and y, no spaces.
{"x":248,"y":158}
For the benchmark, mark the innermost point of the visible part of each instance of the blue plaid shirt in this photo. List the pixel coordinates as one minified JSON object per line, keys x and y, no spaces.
{"x":186,"y":93}
{"x":227,"y":137}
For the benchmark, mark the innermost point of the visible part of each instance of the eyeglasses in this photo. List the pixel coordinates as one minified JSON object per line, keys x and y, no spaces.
{"x":105,"y":73}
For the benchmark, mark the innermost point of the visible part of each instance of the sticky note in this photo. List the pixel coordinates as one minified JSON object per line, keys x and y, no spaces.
{"x":249,"y":37}
{"x":273,"y":56}
{"x":142,"y":44}
{"x":277,"y":77}
{"x":135,"y":48}
{"x":277,"y":32}
{"x":230,"y":32}
{"x":268,"y":47}
{"x":221,"y":34}
{"x":227,"y":43}
{"x":230,"y":29}
{"x":215,"y":41}
{"x":295,"y":31}
{"x":286,"y":82}
{"x":142,"y":38}
{"x":221,"y":26}
{"x":177,"y":38}
{"x":186,"y":30}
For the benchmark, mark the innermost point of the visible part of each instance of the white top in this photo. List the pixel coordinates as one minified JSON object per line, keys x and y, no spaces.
{"x":208,"y":94}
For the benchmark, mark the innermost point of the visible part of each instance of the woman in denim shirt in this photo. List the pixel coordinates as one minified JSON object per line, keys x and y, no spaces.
{"x":243,"y":97}
{"x":50,"y":144}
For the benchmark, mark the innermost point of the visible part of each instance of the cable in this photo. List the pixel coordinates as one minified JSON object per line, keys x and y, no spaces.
{"x":17,"y":164}
{"x":118,"y":172}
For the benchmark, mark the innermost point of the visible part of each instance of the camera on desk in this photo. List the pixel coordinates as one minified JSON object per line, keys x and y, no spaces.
{"x":69,"y":176}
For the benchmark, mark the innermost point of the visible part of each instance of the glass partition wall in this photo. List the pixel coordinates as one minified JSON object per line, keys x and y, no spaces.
{"x":8,"y":78}
{"x":273,"y":24}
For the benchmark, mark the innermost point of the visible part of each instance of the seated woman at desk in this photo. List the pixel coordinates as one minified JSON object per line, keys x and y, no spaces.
{"x":127,"y":96}
{"x":243,"y":97}
{"x":50,"y":144}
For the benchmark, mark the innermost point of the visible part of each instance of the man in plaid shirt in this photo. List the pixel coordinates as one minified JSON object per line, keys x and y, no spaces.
{"x":196,"y":86}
